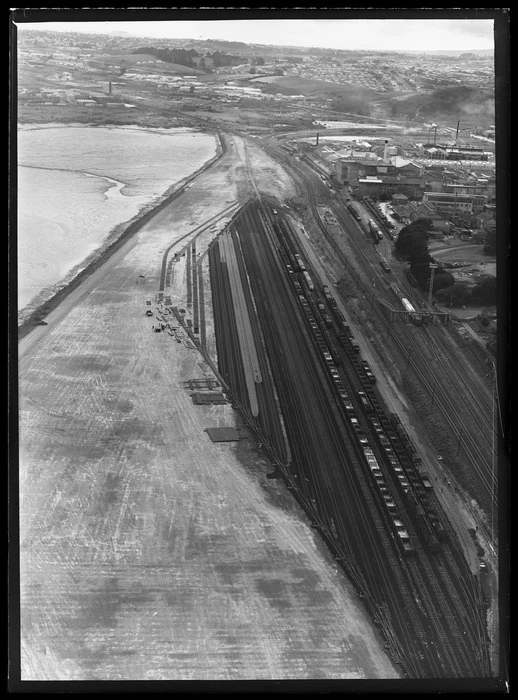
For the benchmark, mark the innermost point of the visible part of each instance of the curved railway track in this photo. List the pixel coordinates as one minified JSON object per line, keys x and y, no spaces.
{"x":477,"y":446}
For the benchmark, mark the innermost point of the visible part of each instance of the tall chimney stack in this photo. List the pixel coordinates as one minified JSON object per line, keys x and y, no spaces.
{"x":385,"y":151}
{"x":110,"y":87}
{"x":318,"y":134}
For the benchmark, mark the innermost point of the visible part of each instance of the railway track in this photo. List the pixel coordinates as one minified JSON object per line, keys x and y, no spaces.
{"x":481,"y":402}
{"x":478,"y":448}
{"x":444,"y":581}
{"x":327,"y":474}
{"x":451,"y":574}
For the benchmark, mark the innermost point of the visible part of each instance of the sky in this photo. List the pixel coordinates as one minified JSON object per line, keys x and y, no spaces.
{"x":368,"y":34}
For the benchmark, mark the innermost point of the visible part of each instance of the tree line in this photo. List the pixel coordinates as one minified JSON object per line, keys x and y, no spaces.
{"x":412,"y":246}
{"x":189,"y":57}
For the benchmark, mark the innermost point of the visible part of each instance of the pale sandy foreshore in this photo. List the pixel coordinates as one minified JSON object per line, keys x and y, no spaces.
{"x":47,"y":300}
{"x":148,"y":551}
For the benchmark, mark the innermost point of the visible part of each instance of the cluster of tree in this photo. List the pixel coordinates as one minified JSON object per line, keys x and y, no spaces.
{"x":183,"y":57}
{"x":186,"y":57}
{"x":224,"y":59}
{"x":219,"y":45}
{"x":412,"y":246}
{"x":461,"y":293}
{"x":293,"y":60}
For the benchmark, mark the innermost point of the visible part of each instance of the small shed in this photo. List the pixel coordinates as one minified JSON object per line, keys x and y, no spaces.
{"x":223,"y":434}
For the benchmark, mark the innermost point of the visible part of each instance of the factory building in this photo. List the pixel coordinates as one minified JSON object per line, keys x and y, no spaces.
{"x":453,"y":204}
{"x":408,"y":212}
{"x":480,"y":187}
{"x":372,"y":175}
{"x":380,"y":178}
{"x":439,"y":152}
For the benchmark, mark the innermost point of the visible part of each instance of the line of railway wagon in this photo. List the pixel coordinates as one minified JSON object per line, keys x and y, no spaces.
{"x":391,"y":437}
{"x":400,"y":452}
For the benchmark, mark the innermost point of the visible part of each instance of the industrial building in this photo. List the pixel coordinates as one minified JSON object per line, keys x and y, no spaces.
{"x":371,"y":175}
{"x":439,"y":152}
{"x":453,"y":204}
{"x":409,"y":212}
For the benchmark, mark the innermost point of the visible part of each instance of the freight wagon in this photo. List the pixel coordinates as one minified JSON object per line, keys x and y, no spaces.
{"x":329,"y":298}
{"x":308,"y":280}
{"x":375,"y":231}
{"x":354,"y":212}
{"x":300,"y":263}
{"x":368,"y":371}
{"x":384,"y":265}
{"x":367,"y":405}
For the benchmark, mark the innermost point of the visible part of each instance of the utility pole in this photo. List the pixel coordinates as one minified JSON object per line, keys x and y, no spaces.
{"x":430,"y":289}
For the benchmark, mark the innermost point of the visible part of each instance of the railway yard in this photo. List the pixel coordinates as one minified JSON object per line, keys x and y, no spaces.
{"x":364,"y":469}
{"x":351,"y":465}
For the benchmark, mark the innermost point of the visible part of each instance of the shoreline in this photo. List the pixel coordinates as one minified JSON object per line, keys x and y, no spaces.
{"x":114,"y":240}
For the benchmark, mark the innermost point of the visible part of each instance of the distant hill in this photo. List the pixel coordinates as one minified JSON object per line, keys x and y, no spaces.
{"x":446,"y":104}
{"x":293,"y":85}
{"x":341,"y":97}
{"x":449,"y":52}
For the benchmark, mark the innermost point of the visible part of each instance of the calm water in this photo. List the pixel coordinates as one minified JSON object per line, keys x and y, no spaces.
{"x":76,"y":184}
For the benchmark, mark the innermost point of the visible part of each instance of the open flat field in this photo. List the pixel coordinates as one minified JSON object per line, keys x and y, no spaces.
{"x":147,"y":551}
